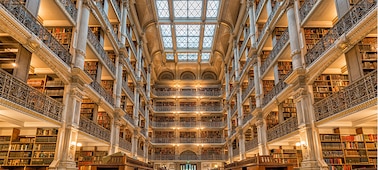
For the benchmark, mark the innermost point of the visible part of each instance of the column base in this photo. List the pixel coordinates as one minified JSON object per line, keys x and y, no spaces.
{"x":62,"y":165}
{"x":312,"y":165}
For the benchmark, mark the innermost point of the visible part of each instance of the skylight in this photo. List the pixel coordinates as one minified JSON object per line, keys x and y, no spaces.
{"x":205,"y":57}
{"x":190,"y":28}
{"x":170,"y":56}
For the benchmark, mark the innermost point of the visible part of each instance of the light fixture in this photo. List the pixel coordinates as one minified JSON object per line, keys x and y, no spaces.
{"x":79,"y":144}
{"x":14,"y":64}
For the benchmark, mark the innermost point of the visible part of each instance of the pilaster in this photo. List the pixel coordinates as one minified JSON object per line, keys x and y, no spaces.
{"x":261,"y":134}
{"x":82,"y":28}
{"x":293,"y":37}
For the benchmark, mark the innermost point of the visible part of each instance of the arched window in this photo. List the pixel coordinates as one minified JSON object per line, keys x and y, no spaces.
{"x":187,"y":75}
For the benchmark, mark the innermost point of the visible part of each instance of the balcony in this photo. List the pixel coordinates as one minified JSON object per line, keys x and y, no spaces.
{"x":211,"y":140}
{"x":107,"y":22}
{"x":208,"y":92}
{"x":101,"y":52}
{"x":144,"y":132}
{"x":30,"y":22}
{"x":251,"y":144}
{"x":259,"y":8}
{"x":247,"y":91}
{"x":70,"y":8}
{"x":163,"y":140}
{"x":141,"y":109}
{"x":19,"y":92}
{"x":236,"y":152}
{"x":198,"y":124}
{"x":360,"y":91}
{"x":247,"y":118}
{"x":102,"y":93}
{"x":216,"y":108}
{"x":128,"y":90}
{"x":267,"y":23}
{"x":163,"y":124}
{"x":124,"y":144}
{"x":140,"y":152}
{"x":187,"y":124}
{"x":352,"y":18}
{"x":187,"y":140}
{"x":129,"y":118}
{"x":306,"y":8}
{"x":188,"y":157}
{"x":284,"y":38}
{"x":277,"y":89}
{"x":282,"y":129}
{"x":94,"y":129}
{"x":116,"y":8}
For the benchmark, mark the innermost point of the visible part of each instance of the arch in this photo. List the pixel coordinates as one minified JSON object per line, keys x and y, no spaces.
{"x":187,"y":75}
{"x":209,"y":75}
{"x":188,"y":155}
{"x":166,"y":75}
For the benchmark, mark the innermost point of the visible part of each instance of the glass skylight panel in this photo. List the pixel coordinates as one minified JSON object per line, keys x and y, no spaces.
{"x":162,"y":8}
{"x":165,"y":30}
{"x":169,"y":56}
{"x":194,"y":30}
{"x":187,"y":36}
{"x":187,"y":9}
{"x":167,"y":41}
{"x":181,"y":30}
{"x":212,"y":8}
{"x":209,"y":30}
{"x":182,"y":56}
{"x":207,"y":42}
{"x":205,"y":57}
{"x":192,"y":56}
{"x":182,"y":42}
{"x":193,"y":42}
{"x":189,"y":57}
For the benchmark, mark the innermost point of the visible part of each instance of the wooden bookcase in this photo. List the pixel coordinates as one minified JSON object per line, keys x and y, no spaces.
{"x":326,"y":84}
{"x":268,"y":86}
{"x":62,"y":34}
{"x":276,"y":34}
{"x":349,"y":151}
{"x":212,"y":134}
{"x":88,"y":108}
{"x":287,"y":156}
{"x":50,"y":85}
{"x":284,"y":67}
{"x":96,"y":31}
{"x":367,"y":48}
{"x":103,"y":120}
{"x":27,"y":151}
{"x":107,"y":85}
{"x":313,"y":35}
{"x":87,"y":155}
{"x":272,"y":119}
{"x":264,"y":55}
{"x":91,"y":68}
{"x":289,"y":109}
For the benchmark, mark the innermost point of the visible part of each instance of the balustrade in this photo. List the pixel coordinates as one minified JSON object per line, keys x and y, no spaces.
{"x":353,"y":17}
{"x":192,"y":92}
{"x":189,"y":108}
{"x":144,"y":132}
{"x":251,"y":85}
{"x":19,"y":92}
{"x":129,"y":118}
{"x":163,"y":140}
{"x":284,"y":128}
{"x":259,"y":7}
{"x":100,"y":50}
{"x":247,"y":118}
{"x":306,"y":7}
{"x":107,"y":22}
{"x":123,"y":143}
{"x":358,"y":92}
{"x":94,"y":129}
{"x":140,"y":152}
{"x":267,"y":23}
{"x":251,"y":144}
{"x":190,"y":157}
{"x":116,"y":7}
{"x":188,"y":140}
{"x":22,"y":14}
{"x":163,"y":124}
{"x":70,"y":8}
{"x":128,"y":90}
{"x":284,"y":38}
{"x":235,"y":152}
{"x":274,"y":92}
{"x":102,"y":92}
{"x":187,"y":124}
{"x":211,"y":140}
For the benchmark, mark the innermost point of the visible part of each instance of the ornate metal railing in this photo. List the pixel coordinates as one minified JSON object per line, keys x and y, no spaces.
{"x":129,"y":118}
{"x":94,"y":129}
{"x":235,"y":152}
{"x":212,"y":92}
{"x":128,"y":90}
{"x":165,"y":108}
{"x":274,"y":92}
{"x":284,"y":38}
{"x":123,"y":143}
{"x":244,"y":44}
{"x":282,"y":129}
{"x":140,"y":152}
{"x":211,"y":140}
{"x":189,"y":108}
{"x":251,"y":144}
{"x":233,"y":131}
{"x":102,"y":92}
{"x":267,"y":23}
{"x":306,"y":8}
{"x":245,"y":93}
{"x":19,"y":11}
{"x":116,"y":7}
{"x":187,"y":124}
{"x":233,"y":110}
{"x":100,"y":50}
{"x":164,"y":93}
{"x":188,"y":140}
{"x":70,"y":8}
{"x":192,"y":92}
{"x":19,"y":92}
{"x":163,"y":140}
{"x":163,"y":124}
{"x":141,"y":109}
{"x":164,"y":157}
{"x":358,"y":92}
{"x":144,"y":132}
{"x":247,"y":118}
{"x":107,"y":22}
{"x":144,"y":74}
{"x":212,"y":124}
{"x":348,"y":21}
{"x":259,"y":7}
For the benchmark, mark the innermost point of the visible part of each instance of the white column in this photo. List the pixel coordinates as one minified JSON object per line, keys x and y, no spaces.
{"x":261,"y":135}
{"x":118,"y":89}
{"x":82,"y":35}
{"x":293,"y":37}
{"x":125,"y":10}
{"x":252,"y":23}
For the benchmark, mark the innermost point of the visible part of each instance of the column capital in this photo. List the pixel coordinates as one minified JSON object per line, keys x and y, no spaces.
{"x":250,"y":4}
{"x":290,"y":4}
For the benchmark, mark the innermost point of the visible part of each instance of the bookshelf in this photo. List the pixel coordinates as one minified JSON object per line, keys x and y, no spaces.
{"x":62,"y":34}
{"x":107,"y":85}
{"x":187,"y":134}
{"x":28,"y":150}
{"x":50,"y":85}
{"x":212,"y":134}
{"x":313,"y":35}
{"x":91,"y":68}
{"x":349,"y":151}
{"x":289,"y":109}
{"x":287,"y":156}
{"x":277,"y":32}
{"x":268,"y":86}
{"x":87,"y":155}
{"x":103,"y":120}
{"x":88,"y":108}
{"x":326,"y":84}
{"x":367,"y":49}
{"x":271,"y":119}
{"x":264,"y":55}
{"x":284,"y":67}
{"x":96,"y":31}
